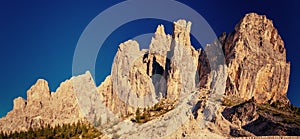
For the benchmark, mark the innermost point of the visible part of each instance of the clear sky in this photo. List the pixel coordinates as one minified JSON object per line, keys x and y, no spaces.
{"x":38,"y":38}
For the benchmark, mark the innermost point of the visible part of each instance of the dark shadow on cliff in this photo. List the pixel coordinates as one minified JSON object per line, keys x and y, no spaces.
{"x":262,"y":119}
{"x":266,"y":127}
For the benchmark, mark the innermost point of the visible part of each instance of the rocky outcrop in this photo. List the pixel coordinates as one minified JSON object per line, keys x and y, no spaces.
{"x":42,"y":107}
{"x":140,"y":78}
{"x":256,"y":60}
{"x":158,"y":48}
{"x":38,"y":93}
{"x":130,"y":82}
{"x":19,"y":103}
{"x":262,"y":120}
{"x":158,"y":60}
{"x":248,"y":64}
{"x":242,"y":114}
{"x":183,"y":64}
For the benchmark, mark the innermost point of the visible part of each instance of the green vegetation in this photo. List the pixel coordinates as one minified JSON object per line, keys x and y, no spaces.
{"x":286,"y":108}
{"x":147,"y":114}
{"x":295,"y":110}
{"x":74,"y":131}
{"x":287,"y":114}
{"x":279,"y":106}
{"x":141,"y":118}
{"x":229,"y":102}
{"x":279,"y":112}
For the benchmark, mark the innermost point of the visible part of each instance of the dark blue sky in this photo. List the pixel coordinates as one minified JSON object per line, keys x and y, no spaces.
{"x":38,"y":38}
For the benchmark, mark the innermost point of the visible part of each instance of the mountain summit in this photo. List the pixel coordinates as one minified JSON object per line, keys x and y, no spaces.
{"x":235,"y":86}
{"x":256,"y":61}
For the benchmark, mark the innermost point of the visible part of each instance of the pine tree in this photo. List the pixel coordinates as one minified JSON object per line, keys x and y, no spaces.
{"x":84,"y":129}
{"x":22,"y":134}
{"x":64,"y":127}
{"x":138,"y":115}
{"x":5,"y":135}
{"x":30,"y":133}
{"x":78,"y":128}
{"x":2,"y":135}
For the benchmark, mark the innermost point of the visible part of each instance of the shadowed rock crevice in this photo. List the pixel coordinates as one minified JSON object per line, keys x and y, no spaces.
{"x":157,"y":69}
{"x":266,"y":127}
{"x":262,"y":120}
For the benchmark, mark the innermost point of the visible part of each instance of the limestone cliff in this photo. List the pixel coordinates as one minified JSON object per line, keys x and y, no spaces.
{"x":248,"y":64}
{"x":140,"y":78}
{"x":44,"y":107}
{"x":256,"y":60}
{"x":183,"y":62}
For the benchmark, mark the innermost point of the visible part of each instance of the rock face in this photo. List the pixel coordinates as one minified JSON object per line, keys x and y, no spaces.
{"x":130,"y":82}
{"x":261,"y":120}
{"x":183,"y":64}
{"x":158,"y":48}
{"x":43,"y":107}
{"x":140,"y":78}
{"x":19,"y":103}
{"x":256,"y":60}
{"x":242,"y":114}
{"x":38,"y":93}
{"x":248,"y":64}
{"x":158,"y":60}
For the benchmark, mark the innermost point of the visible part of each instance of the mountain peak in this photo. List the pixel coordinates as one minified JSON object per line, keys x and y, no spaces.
{"x":261,"y":28}
{"x":38,"y":92}
{"x":160,"y":30}
{"x":182,"y":29}
{"x":252,"y":19}
{"x":173,"y":81}
{"x":255,"y":52}
{"x":19,"y":103}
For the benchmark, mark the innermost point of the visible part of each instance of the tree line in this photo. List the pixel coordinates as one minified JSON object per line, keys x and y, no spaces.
{"x":78,"y":130}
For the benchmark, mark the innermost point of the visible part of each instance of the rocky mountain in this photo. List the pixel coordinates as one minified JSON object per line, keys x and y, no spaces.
{"x":44,"y":107}
{"x":234,"y":87}
{"x":256,"y":60}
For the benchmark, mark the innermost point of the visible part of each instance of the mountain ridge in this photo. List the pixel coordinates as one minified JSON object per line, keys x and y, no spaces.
{"x":249,"y":64}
